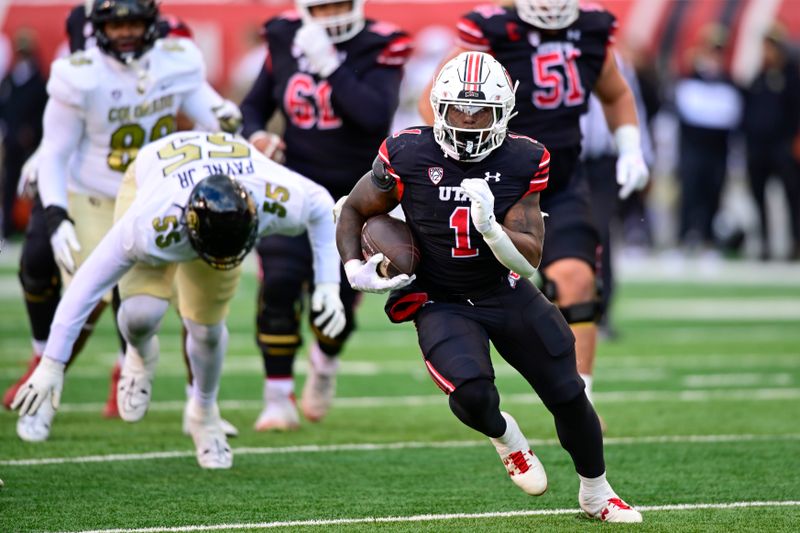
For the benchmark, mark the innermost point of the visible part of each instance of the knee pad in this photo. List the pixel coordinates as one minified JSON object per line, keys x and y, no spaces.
{"x":589,"y":311}
{"x":475,"y":396}
{"x":210,"y":335}
{"x":40,"y":288}
{"x":140,"y":316}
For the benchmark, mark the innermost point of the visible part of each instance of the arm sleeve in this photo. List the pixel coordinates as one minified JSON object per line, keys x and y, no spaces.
{"x":322,"y":235}
{"x":258,"y":106}
{"x":63,"y":130}
{"x":97,"y":275}
{"x":199,"y":106}
{"x":377,"y":93}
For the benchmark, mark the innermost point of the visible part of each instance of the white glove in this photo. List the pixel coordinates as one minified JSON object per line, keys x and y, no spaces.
{"x":482,"y":210}
{"x":46,"y":381}
{"x":328,"y":304}
{"x":229,"y":116}
{"x":632,"y":172}
{"x":64,"y":243}
{"x":27,"y":178}
{"x":337,"y":208}
{"x":316,"y":45}
{"x":363,"y":276}
{"x":270,"y":145}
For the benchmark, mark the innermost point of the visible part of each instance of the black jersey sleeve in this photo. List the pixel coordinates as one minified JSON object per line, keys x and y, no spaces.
{"x":377,"y":90}
{"x":76,"y":20}
{"x":258,"y":105}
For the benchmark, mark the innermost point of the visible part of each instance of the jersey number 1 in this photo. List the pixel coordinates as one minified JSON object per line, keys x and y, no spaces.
{"x":459,"y":222}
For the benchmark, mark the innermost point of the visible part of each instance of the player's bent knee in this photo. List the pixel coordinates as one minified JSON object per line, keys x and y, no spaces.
{"x":39,"y":287}
{"x":475,"y":396}
{"x":581,"y":312}
{"x":140,"y":316}
{"x":210,"y":335}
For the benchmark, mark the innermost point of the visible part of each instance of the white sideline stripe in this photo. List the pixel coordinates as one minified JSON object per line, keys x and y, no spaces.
{"x":436,"y":517}
{"x":756,"y":395}
{"x":373,"y":447}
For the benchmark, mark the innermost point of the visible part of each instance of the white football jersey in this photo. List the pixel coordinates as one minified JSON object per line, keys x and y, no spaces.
{"x":153,"y":230}
{"x":123,"y":107}
{"x":167,"y":170}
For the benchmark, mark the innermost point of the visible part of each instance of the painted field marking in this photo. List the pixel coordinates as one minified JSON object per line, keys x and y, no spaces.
{"x":408,"y":445}
{"x":439,"y":517}
{"x":367,"y":402}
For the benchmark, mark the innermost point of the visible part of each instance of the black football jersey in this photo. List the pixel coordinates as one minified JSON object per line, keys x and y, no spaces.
{"x":454,"y":256}
{"x":556,"y":70}
{"x":333,"y":125}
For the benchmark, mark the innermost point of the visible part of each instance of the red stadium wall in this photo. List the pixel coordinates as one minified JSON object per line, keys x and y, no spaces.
{"x":221,"y":29}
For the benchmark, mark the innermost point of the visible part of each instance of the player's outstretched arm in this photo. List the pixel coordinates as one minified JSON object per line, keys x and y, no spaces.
{"x":98,"y":274}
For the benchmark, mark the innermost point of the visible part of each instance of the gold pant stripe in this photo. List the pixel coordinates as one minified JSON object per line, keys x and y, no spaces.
{"x":278,"y":339}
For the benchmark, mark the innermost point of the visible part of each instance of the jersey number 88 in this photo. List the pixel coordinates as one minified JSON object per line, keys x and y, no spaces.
{"x":128,"y":138}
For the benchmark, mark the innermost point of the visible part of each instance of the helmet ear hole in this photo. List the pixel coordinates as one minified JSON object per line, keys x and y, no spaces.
{"x":221,"y":220}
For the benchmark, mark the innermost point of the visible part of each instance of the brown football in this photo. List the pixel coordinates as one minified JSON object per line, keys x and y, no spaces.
{"x":393,"y":238}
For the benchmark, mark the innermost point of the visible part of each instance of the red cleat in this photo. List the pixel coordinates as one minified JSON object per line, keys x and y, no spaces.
{"x":8,"y":396}
{"x":110,"y":410}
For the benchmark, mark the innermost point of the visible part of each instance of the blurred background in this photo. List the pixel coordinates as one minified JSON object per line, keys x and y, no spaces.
{"x":719,"y":89}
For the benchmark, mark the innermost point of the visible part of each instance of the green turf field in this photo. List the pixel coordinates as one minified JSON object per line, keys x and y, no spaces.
{"x":701,"y":394}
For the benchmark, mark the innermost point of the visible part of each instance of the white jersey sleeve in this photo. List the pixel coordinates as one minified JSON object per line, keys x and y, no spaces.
{"x":63,"y":127}
{"x":98,"y":275}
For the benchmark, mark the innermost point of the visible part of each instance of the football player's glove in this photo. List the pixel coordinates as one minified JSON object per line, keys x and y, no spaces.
{"x":482,"y":209}
{"x":632,"y":172}
{"x":270,"y":145}
{"x":228,"y":116}
{"x":364,"y":277}
{"x":62,"y":237}
{"x":328,"y":308}
{"x":45,"y":382}
{"x":26,"y":188}
{"x":316,"y":45}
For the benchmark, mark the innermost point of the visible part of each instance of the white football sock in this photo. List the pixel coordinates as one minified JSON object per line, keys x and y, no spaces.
{"x":205,"y":346}
{"x":587,"y":378}
{"x":512,"y":439}
{"x":278,"y":389}
{"x":594,"y":493}
{"x":323,"y":363}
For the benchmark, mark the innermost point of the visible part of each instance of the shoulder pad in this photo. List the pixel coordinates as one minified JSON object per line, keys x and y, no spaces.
{"x":178,"y":59}
{"x":73,"y":76}
{"x":380,"y":176}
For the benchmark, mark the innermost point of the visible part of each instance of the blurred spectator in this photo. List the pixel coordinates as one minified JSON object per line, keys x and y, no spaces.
{"x":246,"y":69}
{"x":770,"y":123}
{"x":22,"y":100}
{"x":709,"y":108}
{"x":431,"y":45}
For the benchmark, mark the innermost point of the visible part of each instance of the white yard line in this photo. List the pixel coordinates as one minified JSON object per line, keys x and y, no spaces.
{"x":409,"y":445}
{"x":440,"y":517}
{"x":367,"y":402}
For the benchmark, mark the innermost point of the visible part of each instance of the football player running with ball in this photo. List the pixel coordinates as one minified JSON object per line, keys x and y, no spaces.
{"x":470,"y":191}
{"x":189,"y":209}
{"x":334,"y":76}
{"x":559,"y":53}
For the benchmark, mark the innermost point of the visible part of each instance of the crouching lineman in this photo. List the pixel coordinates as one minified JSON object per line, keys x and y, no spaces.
{"x":105,"y":103}
{"x":188,"y":195}
{"x":478,"y":219}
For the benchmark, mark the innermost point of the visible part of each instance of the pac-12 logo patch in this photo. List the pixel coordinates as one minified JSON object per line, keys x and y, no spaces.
{"x":435,"y":174}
